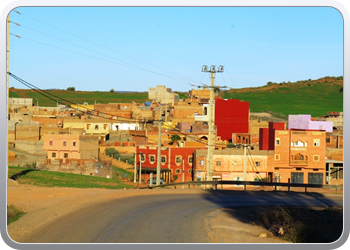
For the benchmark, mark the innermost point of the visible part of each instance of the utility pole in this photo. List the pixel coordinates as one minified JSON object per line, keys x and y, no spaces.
{"x":245,"y":162}
{"x":140,"y":170}
{"x":159,"y":149}
{"x":211,"y":139}
{"x":183,"y":172}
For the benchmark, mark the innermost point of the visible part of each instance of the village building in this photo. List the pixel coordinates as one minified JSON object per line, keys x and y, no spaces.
{"x":176,"y":162}
{"x":305,"y":122}
{"x":231,"y":117}
{"x":229,"y":164}
{"x":300,"y":156}
{"x":163,"y":95}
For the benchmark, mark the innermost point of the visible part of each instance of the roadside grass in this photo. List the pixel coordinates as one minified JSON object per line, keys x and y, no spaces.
{"x":13,"y":213}
{"x":45,"y":178}
{"x":302,"y":225}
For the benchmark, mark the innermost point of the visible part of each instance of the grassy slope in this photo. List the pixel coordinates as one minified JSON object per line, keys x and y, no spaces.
{"x":315,"y":97}
{"x":57,"y":179}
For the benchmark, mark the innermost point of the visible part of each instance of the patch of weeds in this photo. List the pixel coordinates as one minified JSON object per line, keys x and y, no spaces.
{"x":13,"y":213}
{"x":302,"y":225}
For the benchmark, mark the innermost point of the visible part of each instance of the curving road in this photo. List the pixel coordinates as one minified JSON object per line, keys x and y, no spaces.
{"x":163,"y":218}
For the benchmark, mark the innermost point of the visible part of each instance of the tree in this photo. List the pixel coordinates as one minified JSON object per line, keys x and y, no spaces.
{"x":112,"y":90}
{"x":112,"y":152}
{"x":175,"y":138}
{"x":71,"y":88}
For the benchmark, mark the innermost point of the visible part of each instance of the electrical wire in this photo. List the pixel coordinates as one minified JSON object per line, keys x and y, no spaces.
{"x":179,"y":77}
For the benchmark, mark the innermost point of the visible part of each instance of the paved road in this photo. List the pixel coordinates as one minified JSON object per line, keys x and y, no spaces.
{"x":172,"y":218}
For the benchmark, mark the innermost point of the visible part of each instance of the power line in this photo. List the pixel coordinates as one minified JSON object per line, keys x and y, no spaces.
{"x":182,"y":78}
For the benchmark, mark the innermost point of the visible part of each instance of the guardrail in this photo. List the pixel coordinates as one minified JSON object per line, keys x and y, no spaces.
{"x":248,"y":183}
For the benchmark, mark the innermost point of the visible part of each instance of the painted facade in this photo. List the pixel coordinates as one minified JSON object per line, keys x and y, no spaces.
{"x":231,"y":116}
{"x":305,"y":122}
{"x":174,"y":162}
{"x":299,"y":156}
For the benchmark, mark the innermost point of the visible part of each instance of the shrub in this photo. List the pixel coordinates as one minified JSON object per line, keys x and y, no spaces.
{"x":13,"y":213}
{"x":112,"y":152}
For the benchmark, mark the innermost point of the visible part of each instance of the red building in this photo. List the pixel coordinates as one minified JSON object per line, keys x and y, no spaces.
{"x":231,"y":116}
{"x":174,"y":162}
{"x":267,"y":135}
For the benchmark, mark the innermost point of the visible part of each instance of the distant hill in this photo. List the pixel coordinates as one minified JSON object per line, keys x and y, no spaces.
{"x":315,"y":97}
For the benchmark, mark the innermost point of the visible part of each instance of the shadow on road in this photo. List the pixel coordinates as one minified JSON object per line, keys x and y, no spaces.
{"x":303,"y":217}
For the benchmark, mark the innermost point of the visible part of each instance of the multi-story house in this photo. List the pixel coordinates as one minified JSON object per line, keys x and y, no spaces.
{"x":175,"y":161}
{"x":231,"y":116}
{"x":233,"y":164}
{"x":300,"y":156}
{"x":67,"y":148}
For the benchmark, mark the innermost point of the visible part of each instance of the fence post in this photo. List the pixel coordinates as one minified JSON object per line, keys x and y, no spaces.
{"x":288,"y":184}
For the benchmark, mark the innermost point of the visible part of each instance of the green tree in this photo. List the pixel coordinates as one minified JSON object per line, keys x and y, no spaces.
{"x":112,"y":90}
{"x":112,"y":152}
{"x":175,"y":138}
{"x":71,"y":88}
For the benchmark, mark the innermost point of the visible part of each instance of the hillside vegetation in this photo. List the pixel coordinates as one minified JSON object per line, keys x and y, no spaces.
{"x":315,"y":97}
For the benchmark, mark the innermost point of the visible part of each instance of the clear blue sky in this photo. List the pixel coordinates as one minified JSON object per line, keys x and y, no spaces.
{"x":132,"y":49}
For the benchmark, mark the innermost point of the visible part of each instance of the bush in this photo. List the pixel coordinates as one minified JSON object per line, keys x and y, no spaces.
{"x":112,"y":152}
{"x":13,"y":213}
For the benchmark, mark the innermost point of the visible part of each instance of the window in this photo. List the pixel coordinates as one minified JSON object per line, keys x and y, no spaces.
{"x":96,"y":127}
{"x":178,"y":159}
{"x":316,"y":157}
{"x":299,"y":169}
{"x":51,"y":143}
{"x":277,"y":141}
{"x":316,"y":142}
{"x":218,"y":163}
{"x":328,"y":139}
{"x":152,"y":158}
{"x":74,"y":144}
{"x":104,"y":126}
{"x":277,"y":157}
{"x":299,"y":144}
{"x":88,"y":126}
{"x":64,"y":143}
{"x":178,"y":171}
{"x":190,"y":171}
{"x":190,"y":159}
{"x":65,"y":155}
{"x":257,"y":164}
{"x":201,"y":163}
{"x":205,"y":111}
{"x":163,"y":159}
{"x":53,"y":155}
{"x":142,"y":157}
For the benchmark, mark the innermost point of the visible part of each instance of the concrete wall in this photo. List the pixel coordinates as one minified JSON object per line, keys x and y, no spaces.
{"x":35,"y":148}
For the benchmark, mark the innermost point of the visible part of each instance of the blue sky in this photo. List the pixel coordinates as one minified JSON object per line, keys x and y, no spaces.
{"x":132,"y":49}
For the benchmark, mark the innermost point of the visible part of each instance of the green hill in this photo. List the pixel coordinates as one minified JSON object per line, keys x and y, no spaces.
{"x":315,"y":97}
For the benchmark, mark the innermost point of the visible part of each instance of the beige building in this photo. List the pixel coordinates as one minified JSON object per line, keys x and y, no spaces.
{"x":228,"y":164}
{"x":163,"y":95}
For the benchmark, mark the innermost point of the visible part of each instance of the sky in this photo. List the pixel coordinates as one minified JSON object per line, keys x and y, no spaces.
{"x":134,"y":48}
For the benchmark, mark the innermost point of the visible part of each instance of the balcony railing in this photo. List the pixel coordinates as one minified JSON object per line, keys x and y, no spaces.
{"x":298,"y":162}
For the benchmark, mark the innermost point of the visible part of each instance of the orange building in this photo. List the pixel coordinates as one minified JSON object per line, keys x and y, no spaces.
{"x":300,"y":156}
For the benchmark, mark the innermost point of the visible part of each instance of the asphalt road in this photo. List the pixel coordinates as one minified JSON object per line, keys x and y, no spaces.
{"x":171,"y":218}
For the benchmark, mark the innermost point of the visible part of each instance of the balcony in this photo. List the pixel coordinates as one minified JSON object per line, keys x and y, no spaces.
{"x":298,"y":162}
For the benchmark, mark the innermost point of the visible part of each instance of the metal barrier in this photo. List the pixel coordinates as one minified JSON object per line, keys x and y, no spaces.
{"x":248,"y":183}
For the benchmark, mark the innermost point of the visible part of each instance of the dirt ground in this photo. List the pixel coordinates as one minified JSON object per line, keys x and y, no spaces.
{"x":44,"y":205}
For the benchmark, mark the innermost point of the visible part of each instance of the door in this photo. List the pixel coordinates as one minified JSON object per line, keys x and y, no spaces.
{"x":315,"y":178}
{"x":297,"y":177}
